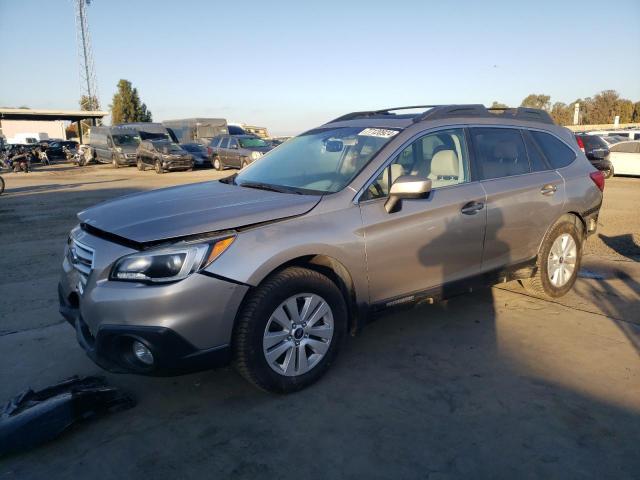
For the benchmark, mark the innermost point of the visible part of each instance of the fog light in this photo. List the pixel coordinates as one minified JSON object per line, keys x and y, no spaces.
{"x":142,"y":353}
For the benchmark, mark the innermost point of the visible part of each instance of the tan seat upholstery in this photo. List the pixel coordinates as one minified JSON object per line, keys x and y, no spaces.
{"x":445,"y":169}
{"x":397,"y":170}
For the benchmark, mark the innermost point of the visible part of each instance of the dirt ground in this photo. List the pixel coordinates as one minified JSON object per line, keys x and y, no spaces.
{"x":494,"y":384}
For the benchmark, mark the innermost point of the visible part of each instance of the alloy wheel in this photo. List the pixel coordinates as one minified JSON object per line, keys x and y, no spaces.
{"x":298,"y":334}
{"x":562,"y":260}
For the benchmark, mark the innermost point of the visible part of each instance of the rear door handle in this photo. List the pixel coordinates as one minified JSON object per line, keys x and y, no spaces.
{"x":472,"y":208}
{"x":548,"y":189}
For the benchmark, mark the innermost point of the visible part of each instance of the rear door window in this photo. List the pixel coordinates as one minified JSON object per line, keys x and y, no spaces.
{"x":224,"y":143}
{"x":536,"y":159}
{"x":558,"y":154}
{"x":499,"y":152}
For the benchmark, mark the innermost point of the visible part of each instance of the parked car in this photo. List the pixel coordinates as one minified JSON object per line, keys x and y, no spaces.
{"x":236,"y":151}
{"x":55,"y":148}
{"x":163,"y":156}
{"x":625,"y":157}
{"x":626,"y":133}
{"x":613,"y":139}
{"x":115,"y":145}
{"x":597,"y":152}
{"x":199,"y":153}
{"x":272,"y":267}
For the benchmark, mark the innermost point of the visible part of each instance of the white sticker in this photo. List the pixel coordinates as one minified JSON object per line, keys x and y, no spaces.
{"x":378,"y":132}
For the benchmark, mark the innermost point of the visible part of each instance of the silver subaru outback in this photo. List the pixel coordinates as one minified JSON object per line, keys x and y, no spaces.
{"x":272,"y":267}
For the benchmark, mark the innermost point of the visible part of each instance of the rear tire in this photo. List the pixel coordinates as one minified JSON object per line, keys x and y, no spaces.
{"x":216,"y":163}
{"x":158,"y":167}
{"x":245,"y":164}
{"x":1,"y":185}
{"x":558,"y":261}
{"x":608,"y":173}
{"x":296,"y":315}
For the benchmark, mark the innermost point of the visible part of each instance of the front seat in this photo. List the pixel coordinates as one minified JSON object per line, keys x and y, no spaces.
{"x":445,"y":169}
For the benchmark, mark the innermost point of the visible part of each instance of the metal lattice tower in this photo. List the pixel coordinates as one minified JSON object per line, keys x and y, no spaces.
{"x":88,"y":84}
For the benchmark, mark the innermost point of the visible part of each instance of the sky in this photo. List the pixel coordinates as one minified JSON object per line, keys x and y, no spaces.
{"x":292,"y":65}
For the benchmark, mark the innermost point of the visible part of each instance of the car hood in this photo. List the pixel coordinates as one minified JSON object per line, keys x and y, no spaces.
{"x":191,"y":210}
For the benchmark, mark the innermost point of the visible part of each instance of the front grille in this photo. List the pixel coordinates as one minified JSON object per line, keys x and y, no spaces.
{"x":130,"y":155}
{"x":81,"y":258}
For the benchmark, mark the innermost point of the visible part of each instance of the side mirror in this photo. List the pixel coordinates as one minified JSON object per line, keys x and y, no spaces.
{"x":233,"y":147}
{"x":405,"y":187}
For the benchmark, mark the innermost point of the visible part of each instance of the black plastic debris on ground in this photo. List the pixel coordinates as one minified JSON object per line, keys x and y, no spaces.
{"x":36,"y":417}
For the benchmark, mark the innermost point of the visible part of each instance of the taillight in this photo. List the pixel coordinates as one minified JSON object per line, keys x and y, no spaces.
{"x":598,"y":179}
{"x":580,"y":143}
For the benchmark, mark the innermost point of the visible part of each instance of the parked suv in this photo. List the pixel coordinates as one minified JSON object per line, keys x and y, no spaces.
{"x":270,"y":268}
{"x":163,"y":156}
{"x":596,"y":151}
{"x":236,"y":151}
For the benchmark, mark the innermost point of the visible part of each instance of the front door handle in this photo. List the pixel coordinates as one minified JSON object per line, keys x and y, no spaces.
{"x":472,"y":208}
{"x":548,"y":189}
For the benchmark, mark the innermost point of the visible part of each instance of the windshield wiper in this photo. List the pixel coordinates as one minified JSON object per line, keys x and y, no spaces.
{"x":269,"y":187}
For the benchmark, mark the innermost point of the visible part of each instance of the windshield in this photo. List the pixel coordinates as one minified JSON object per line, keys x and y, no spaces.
{"x":322,"y":160}
{"x":125,"y":139}
{"x":154,"y":136}
{"x":614,"y":139}
{"x":252,"y":143}
{"x":171,"y":148}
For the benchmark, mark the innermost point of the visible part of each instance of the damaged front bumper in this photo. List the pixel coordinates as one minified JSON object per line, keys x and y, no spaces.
{"x":111,"y":347}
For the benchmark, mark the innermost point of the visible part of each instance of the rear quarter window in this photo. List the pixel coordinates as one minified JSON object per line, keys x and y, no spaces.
{"x":558,"y":154}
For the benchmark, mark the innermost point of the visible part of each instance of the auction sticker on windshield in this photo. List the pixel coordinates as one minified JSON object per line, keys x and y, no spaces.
{"x":378,"y":132}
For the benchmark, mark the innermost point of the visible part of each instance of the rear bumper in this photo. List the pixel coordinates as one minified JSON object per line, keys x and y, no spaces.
{"x":111,"y":347}
{"x":601,"y":164}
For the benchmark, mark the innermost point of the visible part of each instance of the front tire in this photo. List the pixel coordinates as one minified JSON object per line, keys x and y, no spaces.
{"x":216,"y":163}
{"x":558,"y":261}
{"x":139,"y":164}
{"x":158,"y":167}
{"x":115,"y":163}
{"x":289,"y":330}
{"x":1,"y":185}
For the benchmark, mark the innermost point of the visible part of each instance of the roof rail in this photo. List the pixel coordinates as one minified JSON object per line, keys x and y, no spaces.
{"x":371,"y":113}
{"x":478,"y":110}
{"x":434,"y":112}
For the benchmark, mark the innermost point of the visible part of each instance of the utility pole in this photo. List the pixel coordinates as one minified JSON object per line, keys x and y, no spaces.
{"x":88,"y":84}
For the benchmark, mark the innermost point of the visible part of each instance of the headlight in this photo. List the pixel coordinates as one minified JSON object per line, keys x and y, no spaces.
{"x":255,"y":155}
{"x":119,"y":149}
{"x":169,"y":264}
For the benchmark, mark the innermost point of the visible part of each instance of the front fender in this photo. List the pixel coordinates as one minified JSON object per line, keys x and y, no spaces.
{"x":259,"y":251}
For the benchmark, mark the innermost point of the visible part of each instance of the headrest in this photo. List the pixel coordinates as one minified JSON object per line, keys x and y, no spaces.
{"x":445,"y":164}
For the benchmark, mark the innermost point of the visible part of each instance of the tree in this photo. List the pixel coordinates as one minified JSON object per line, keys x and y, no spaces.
{"x":126,"y":106}
{"x":635,"y":117}
{"x":497,"y":104}
{"x":89,"y":103}
{"x":536,"y":100}
{"x":562,"y":113}
{"x":605,"y":107}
